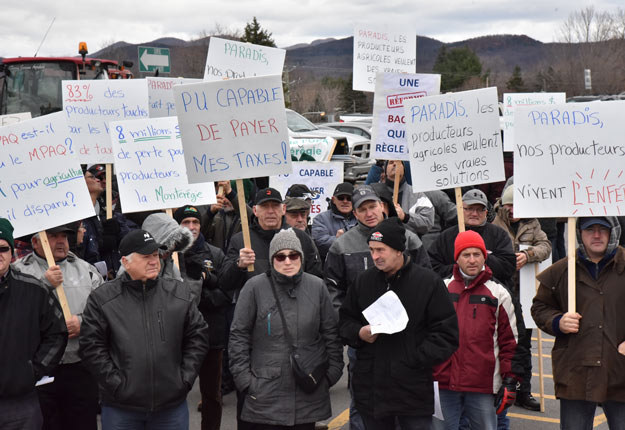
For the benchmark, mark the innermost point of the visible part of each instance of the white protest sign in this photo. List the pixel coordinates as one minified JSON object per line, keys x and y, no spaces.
{"x":454,"y":140}
{"x":233,"y":129}
{"x":230,"y":59}
{"x":568,"y":160}
{"x":513,"y":100}
{"x":13,"y":118}
{"x":161,"y":95}
{"x":90,"y":105}
{"x":321,"y":177}
{"x":527,"y":286}
{"x":388,"y":135}
{"x":150,"y":167}
{"x":382,"y":50}
{"x":41,"y":182}
{"x":316,"y":147}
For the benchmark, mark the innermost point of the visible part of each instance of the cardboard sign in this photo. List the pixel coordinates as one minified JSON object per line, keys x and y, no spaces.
{"x":316,"y":147}
{"x":382,"y":50}
{"x":512,"y":100}
{"x":229,"y":59}
{"x":454,"y":140}
{"x":161,"y":95}
{"x":13,"y":118}
{"x":527,"y":286}
{"x":388,"y":137}
{"x":568,"y":160}
{"x":233,"y":129}
{"x":89,"y":106}
{"x":320,"y":177}
{"x":149,"y":162}
{"x":41,"y":182}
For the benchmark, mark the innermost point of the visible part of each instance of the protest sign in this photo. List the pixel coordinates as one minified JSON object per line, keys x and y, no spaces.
{"x":317,"y":147}
{"x":13,"y":118}
{"x":388,"y":137}
{"x":319,"y":177}
{"x":454,"y":140}
{"x":568,"y":160}
{"x":512,"y":100}
{"x":41,"y":182}
{"x":161,"y":96}
{"x":527,"y":285}
{"x":149,"y":162}
{"x":90,"y":105}
{"x":233,"y":129}
{"x":230,"y":59}
{"x":381,"y":50}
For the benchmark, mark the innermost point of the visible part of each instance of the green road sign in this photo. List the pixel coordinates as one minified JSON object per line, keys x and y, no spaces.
{"x":151,"y":59}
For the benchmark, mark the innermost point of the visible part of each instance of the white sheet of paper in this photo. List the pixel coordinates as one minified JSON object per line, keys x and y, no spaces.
{"x":45,"y":380}
{"x":386,"y":314}
{"x":438,"y":411}
{"x":527,"y":287}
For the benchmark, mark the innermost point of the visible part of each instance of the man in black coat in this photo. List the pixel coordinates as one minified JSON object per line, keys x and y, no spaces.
{"x":393,"y":371}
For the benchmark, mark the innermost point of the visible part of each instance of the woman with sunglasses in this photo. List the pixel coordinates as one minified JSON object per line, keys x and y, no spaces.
{"x":260,"y":353}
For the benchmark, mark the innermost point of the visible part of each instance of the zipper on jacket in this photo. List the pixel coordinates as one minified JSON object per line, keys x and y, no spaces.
{"x":161,"y":325}
{"x":150,"y":350}
{"x":365,"y":262}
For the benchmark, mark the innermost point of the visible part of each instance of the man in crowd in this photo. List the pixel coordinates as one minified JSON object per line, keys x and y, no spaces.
{"x":297,"y":205}
{"x":200,"y":266}
{"x":71,"y":401}
{"x":392,"y":376}
{"x":144,"y":340}
{"x":414,"y":209}
{"x":526,"y":232}
{"x":483,"y":364}
{"x":589,"y":352}
{"x":331,"y":224}
{"x":32,"y":339}
{"x":269,"y":211}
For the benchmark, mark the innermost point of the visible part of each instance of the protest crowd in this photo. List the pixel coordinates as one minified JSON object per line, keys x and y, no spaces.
{"x":413,"y":283}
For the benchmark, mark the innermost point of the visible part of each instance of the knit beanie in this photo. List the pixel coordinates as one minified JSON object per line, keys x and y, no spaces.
{"x":508,"y":196}
{"x":390,"y":232}
{"x":6,"y":232}
{"x":285,"y":239}
{"x":468,"y":239}
{"x":187,"y":212}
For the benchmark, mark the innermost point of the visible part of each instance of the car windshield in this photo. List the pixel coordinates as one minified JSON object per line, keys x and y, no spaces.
{"x":297,"y":123}
{"x":35,"y":87}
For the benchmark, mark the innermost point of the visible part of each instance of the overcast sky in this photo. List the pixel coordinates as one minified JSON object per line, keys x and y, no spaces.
{"x":99,"y":23}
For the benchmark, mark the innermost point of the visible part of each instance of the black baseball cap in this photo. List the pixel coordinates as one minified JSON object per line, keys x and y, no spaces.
{"x":267,"y":195}
{"x":65,"y":228}
{"x":344,"y":189}
{"x":139,"y":241}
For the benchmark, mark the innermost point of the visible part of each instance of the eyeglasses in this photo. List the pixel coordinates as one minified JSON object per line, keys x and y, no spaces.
{"x":4,"y":249}
{"x":344,"y":198}
{"x":294,"y":256}
{"x":476,"y":209}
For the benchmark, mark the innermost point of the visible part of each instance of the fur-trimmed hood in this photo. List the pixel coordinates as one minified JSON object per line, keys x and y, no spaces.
{"x":166,"y":231}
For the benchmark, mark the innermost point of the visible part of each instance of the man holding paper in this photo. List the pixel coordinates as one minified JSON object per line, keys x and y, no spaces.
{"x":392,"y":376}
{"x":589,"y":353}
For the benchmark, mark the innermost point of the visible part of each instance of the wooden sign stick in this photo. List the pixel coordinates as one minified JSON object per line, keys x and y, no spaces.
{"x":459,"y":209}
{"x":109,"y":191}
{"x":60,"y":292}
{"x":541,"y":374}
{"x":396,"y":186}
{"x":570,"y":252}
{"x":174,"y":255}
{"x":245,"y":227}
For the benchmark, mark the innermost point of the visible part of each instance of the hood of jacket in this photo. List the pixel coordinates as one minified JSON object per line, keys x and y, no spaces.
{"x":166,"y":231}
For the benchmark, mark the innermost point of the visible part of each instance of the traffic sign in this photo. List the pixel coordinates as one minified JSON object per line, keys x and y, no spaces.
{"x":151,"y":58}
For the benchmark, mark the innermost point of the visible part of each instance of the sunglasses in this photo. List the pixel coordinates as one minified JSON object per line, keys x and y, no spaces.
{"x":344,"y":198}
{"x":4,"y":249}
{"x":294,"y":256}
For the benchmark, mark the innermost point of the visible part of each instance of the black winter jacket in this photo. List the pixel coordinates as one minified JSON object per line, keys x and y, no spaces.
{"x":393,"y":375}
{"x":33,"y":334}
{"x":144,"y":343}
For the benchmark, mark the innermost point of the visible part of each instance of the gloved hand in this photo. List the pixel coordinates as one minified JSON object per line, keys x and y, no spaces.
{"x":506,"y":395}
{"x":194,"y":266}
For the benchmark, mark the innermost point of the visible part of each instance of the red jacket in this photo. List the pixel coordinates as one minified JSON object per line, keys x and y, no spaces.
{"x":488,"y":335}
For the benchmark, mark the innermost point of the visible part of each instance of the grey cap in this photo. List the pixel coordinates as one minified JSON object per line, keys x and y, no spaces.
{"x":475,"y":197}
{"x":285,"y":239}
{"x":362,"y":194}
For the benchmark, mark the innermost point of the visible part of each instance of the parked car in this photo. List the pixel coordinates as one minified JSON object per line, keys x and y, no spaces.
{"x":359,"y":128}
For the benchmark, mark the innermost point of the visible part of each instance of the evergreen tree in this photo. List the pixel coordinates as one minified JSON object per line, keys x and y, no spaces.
{"x":456,"y":66}
{"x":353,"y":101}
{"x":253,"y":33}
{"x":515,"y":83}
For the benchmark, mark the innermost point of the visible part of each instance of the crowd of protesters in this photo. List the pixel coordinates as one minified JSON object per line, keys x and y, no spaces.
{"x":154,"y":301}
